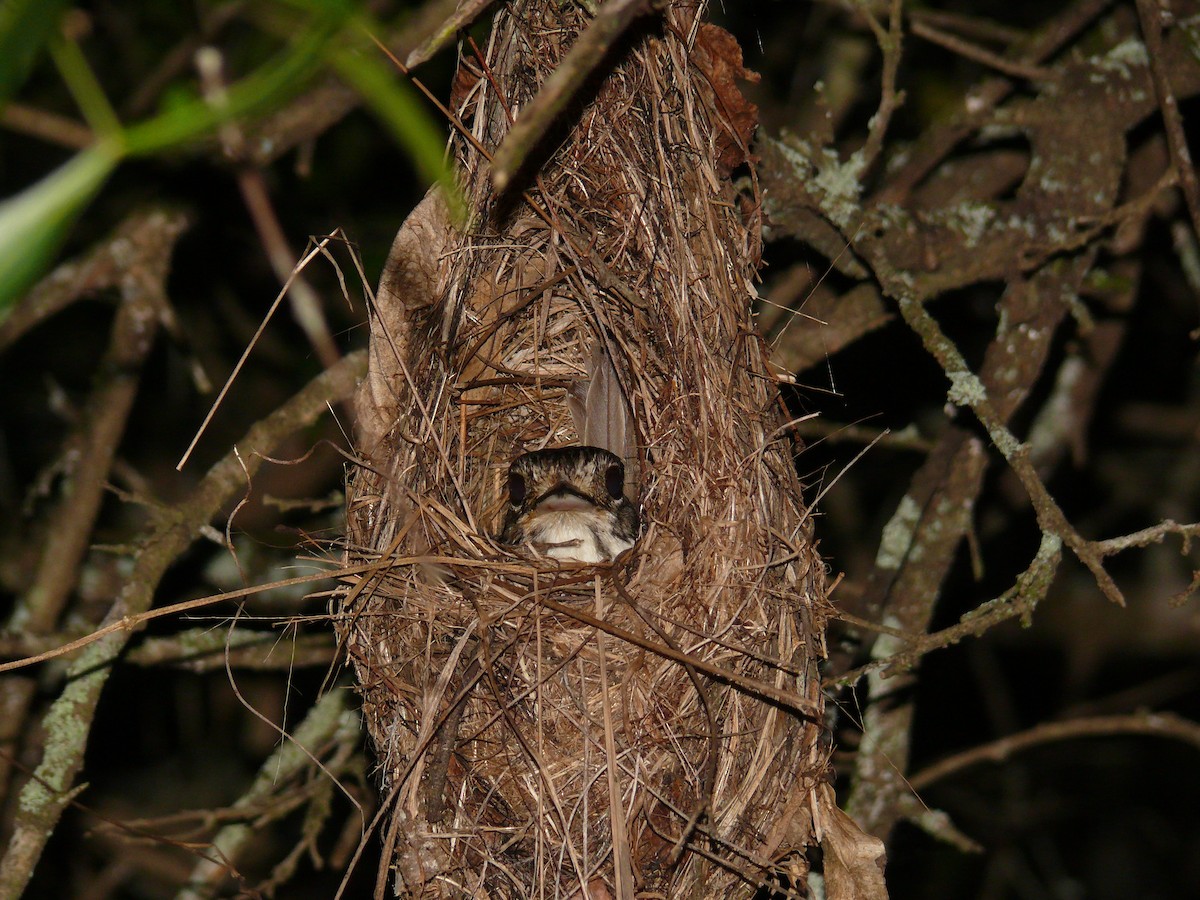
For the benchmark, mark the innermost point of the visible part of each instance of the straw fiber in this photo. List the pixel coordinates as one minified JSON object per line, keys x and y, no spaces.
{"x":649,"y":727}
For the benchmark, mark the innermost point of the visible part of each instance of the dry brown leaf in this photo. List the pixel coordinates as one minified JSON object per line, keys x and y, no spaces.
{"x":718,"y":56}
{"x":407,"y":292}
{"x":854,"y":860}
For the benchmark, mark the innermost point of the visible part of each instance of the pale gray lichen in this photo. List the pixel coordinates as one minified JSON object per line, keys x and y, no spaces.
{"x":999,"y":131}
{"x":898,"y":534}
{"x":1004,"y":322}
{"x":890,"y":215}
{"x":1120,"y":60}
{"x":1024,"y":224}
{"x":965,"y":388}
{"x":970,"y":218}
{"x":887,"y":645}
{"x":836,"y":182}
{"x":797,"y":152}
{"x":65,"y":734}
{"x":898,"y":159}
{"x":1006,"y":442}
{"x":839,"y":182}
{"x":1052,"y":427}
{"x":1053,"y":185}
{"x":900,"y":283}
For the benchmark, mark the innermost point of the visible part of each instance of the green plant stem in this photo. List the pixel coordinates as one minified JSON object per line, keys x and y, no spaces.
{"x":85,"y":88}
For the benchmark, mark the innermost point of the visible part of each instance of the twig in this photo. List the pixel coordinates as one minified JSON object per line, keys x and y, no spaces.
{"x":1166,"y":725}
{"x":932,"y":149}
{"x":1150,"y":14}
{"x":824,"y":431}
{"x":93,"y":445}
{"x":207,"y":649}
{"x":306,"y":304}
{"x":586,"y":54}
{"x":136,"y":260}
{"x":178,"y":58}
{"x":460,"y":19}
{"x":327,"y":722}
{"x":981,"y":55}
{"x":968,"y":26}
{"x":1147,"y":536}
{"x":891,"y":46}
{"x":314,"y":111}
{"x":152,"y":231}
{"x":69,"y":719}
{"x":919,"y":546}
{"x":134,"y":622}
{"x":1020,"y":600}
{"x":967,"y":390}
{"x":47,"y":126}
{"x":17,"y":646}
{"x":313,"y":251}
{"x":100,"y":428}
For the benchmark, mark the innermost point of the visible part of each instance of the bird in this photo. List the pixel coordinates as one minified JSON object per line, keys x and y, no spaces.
{"x":569,"y":504}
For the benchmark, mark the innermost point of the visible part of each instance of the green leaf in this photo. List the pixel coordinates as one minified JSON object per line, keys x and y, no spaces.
{"x":25,"y":25}
{"x":282,"y":76}
{"x":387,"y":92}
{"x":81,"y":81}
{"x":396,"y":104}
{"x":34,"y":223}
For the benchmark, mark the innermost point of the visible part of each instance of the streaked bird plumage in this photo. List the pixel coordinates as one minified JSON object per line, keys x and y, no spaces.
{"x":569,"y":504}
{"x":602,"y":415}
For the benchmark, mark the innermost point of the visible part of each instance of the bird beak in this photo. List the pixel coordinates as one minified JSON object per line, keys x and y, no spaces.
{"x":562,"y":498}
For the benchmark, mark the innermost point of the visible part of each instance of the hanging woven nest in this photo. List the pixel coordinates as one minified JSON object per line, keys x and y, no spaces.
{"x":549,"y":729}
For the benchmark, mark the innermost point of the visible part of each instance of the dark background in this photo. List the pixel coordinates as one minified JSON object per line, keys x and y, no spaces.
{"x":1098,"y":817}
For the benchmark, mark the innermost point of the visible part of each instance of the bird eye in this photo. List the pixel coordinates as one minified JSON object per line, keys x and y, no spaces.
{"x":516,"y":489}
{"x":614,"y":480}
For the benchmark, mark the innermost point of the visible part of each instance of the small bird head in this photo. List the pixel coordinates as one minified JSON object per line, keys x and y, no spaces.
{"x":570,"y":504}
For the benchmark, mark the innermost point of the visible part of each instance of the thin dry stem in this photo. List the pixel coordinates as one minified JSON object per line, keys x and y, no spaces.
{"x":530,"y":747}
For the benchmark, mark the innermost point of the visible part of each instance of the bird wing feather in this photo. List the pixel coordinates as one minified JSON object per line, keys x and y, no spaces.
{"x":602,"y":414}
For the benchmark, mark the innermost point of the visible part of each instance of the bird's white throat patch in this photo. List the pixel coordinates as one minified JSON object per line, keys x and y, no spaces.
{"x":579,"y":534}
